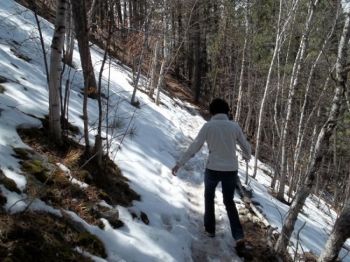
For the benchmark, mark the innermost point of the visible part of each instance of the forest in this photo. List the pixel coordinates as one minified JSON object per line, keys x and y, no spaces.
{"x":282,"y":66}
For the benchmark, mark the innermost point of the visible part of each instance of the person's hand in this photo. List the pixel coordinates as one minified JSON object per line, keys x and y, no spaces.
{"x":174,"y":170}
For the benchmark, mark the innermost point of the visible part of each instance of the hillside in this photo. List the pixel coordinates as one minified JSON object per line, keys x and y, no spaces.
{"x":56,"y":208}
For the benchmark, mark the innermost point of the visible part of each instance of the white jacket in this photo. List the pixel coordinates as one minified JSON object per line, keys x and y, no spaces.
{"x":221,"y":135}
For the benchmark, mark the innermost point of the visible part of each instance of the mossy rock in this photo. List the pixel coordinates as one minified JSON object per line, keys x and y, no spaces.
{"x":9,"y":183}
{"x":87,"y":240}
{"x":36,"y":168}
{"x":22,"y":153}
{"x":33,"y":166}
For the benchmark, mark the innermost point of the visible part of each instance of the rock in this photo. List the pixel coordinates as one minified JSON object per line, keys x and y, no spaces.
{"x":112,"y":215}
{"x":144,"y":218}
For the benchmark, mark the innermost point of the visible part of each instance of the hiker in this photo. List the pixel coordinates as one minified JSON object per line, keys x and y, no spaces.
{"x":221,"y":136}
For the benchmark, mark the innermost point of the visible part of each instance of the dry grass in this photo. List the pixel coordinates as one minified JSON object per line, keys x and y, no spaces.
{"x":43,"y":237}
{"x":27,"y":236}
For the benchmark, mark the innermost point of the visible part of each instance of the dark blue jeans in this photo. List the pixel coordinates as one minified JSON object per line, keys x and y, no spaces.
{"x":228,"y":182}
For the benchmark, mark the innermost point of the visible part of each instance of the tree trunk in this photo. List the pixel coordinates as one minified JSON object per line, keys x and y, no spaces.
{"x":82,"y":34}
{"x":68,"y":56}
{"x":125,"y":16}
{"x":42,"y":43}
{"x":160,"y":81}
{"x":267,"y":86}
{"x":131,"y":17}
{"x":340,"y":233}
{"x":119,"y":13}
{"x":153,"y":80}
{"x":243,"y":64}
{"x":90,"y":87}
{"x":98,"y":150}
{"x":322,"y":141}
{"x":91,"y":12}
{"x":302,"y":126}
{"x":248,"y":119}
{"x":196,"y":39}
{"x":55,"y":72}
{"x":139,"y":65}
{"x":299,"y":61}
{"x":165,"y":52}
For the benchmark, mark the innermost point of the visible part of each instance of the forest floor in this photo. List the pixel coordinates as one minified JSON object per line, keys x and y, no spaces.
{"x":37,"y":236}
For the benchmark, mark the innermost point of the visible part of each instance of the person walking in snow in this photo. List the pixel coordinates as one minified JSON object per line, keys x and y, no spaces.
{"x":221,"y":136}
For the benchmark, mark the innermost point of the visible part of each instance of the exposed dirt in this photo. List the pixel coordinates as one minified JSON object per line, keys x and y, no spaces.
{"x":256,"y":238}
{"x":43,"y":237}
{"x":35,"y":236}
{"x":106,"y":183}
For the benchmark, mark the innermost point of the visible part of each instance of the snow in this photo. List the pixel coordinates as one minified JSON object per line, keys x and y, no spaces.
{"x":71,"y":179}
{"x":174,"y":205}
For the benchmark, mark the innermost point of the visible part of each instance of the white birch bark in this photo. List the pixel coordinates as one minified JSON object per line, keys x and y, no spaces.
{"x":160,"y":81}
{"x":321,"y":143}
{"x":299,"y":60}
{"x":268,"y":79}
{"x":166,"y":43}
{"x":134,"y":101}
{"x":250,"y":107}
{"x":153,"y":80}
{"x":243,"y":65}
{"x":68,"y":57}
{"x":302,"y":126}
{"x":55,"y":72}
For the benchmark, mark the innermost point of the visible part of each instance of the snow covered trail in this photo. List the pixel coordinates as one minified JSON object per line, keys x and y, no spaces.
{"x":220,"y":248}
{"x":204,"y":249}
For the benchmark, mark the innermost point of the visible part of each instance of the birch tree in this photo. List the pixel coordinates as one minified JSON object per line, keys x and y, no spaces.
{"x":154,"y":67}
{"x":243,"y":65}
{"x":299,"y":60}
{"x":322,"y":140}
{"x":160,"y":81}
{"x":68,"y":56}
{"x":136,"y":79}
{"x":98,"y":149}
{"x":340,"y":233}
{"x":302,"y":126}
{"x":279,"y":33}
{"x":55,"y":72}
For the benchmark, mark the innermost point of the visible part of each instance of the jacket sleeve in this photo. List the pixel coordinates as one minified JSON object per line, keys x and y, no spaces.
{"x":194,"y":147}
{"x":243,"y":144}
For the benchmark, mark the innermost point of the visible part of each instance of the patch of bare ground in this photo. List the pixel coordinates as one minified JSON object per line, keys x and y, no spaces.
{"x":256,"y":238}
{"x":106,"y":183}
{"x":43,"y":237}
{"x":256,"y":234}
{"x":36,"y":236}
